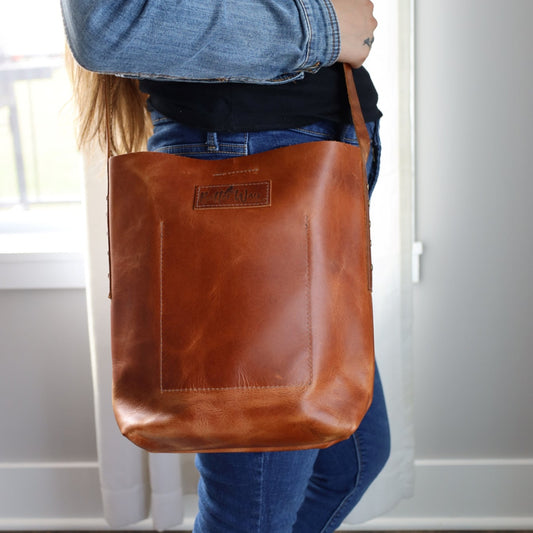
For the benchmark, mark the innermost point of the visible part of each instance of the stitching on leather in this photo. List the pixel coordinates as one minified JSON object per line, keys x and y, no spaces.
{"x":249,"y":171}
{"x":308,"y":284}
{"x":198,"y":150}
{"x":161,"y":263}
{"x":243,"y":388}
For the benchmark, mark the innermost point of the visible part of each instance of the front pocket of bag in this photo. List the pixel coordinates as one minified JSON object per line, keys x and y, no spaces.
{"x":235,"y":309}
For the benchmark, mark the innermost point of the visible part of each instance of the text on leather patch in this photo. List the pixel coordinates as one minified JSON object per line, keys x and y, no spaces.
{"x":254,"y":194}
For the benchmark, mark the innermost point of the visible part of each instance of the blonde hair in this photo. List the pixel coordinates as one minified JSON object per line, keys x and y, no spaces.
{"x":129,"y":120}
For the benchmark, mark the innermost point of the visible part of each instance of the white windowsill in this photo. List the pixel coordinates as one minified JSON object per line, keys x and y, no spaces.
{"x":42,"y":260}
{"x":42,"y":249}
{"x":54,"y":270}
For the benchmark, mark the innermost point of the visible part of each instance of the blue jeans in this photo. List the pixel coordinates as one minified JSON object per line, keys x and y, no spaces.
{"x":304,"y":491}
{"x":174,"y":138}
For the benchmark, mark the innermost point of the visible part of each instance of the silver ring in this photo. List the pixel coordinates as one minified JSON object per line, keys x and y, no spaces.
{"x":369,"y":42}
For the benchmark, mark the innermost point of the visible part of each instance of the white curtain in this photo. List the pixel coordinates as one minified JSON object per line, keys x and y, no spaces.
{"x":135,"y":484}
{"x":392,"y":246}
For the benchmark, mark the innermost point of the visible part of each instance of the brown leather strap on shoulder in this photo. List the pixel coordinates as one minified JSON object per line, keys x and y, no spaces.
{"x":357,"y":115}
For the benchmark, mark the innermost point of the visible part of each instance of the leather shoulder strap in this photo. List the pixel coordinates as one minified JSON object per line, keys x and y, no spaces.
{"x":357,"y":115}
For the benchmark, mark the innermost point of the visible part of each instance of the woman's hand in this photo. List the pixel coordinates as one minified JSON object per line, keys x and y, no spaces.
{"x":357,"y":25}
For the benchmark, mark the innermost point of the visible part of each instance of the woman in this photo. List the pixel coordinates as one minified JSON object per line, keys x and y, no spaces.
{"x":231,"y":78}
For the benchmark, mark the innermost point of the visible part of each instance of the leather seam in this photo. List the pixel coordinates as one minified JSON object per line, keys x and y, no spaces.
{"x":247,"y":171}
{"x":309,"y":300}
{"x":161,"y":264}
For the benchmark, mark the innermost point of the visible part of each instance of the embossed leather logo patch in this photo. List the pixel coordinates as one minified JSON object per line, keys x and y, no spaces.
{"x":234,"y":195}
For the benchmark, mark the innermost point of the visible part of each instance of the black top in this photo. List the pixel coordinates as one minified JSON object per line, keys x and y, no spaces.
{"x":249,"y":107}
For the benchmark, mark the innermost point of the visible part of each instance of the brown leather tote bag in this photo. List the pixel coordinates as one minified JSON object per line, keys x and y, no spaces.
{"x":241,"y":308}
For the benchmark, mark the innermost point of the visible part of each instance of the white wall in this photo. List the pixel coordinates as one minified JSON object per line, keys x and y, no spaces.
{"x":473,"y":308}
{"x":473,"y":328}
{"x":47,"y":431}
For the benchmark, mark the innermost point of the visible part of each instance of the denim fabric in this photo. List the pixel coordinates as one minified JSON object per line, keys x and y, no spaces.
{"x":254,"y":41}
{"x":303,"y":491}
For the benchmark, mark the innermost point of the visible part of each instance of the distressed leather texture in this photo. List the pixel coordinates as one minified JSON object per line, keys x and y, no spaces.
{"x":241,"y":307}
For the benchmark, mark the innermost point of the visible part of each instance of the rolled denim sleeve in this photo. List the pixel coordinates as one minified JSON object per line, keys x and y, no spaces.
{"x":253,"y":41}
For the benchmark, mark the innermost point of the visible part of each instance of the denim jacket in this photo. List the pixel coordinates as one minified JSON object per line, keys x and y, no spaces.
{"x":252,"y":41}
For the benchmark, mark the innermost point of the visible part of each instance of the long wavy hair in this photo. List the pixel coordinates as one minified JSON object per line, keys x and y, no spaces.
{"x":129,"y":121}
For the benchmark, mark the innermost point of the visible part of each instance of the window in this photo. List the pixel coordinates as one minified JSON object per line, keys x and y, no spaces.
{"x":41,"y":216}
